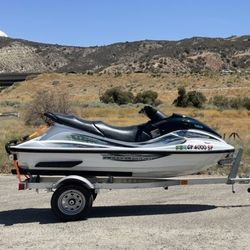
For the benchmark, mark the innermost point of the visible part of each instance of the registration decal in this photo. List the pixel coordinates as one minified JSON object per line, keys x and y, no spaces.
{"x":202,"y":147}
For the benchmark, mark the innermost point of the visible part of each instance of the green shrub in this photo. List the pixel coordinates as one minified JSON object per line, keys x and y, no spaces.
{"x":235,"y":103}
{"x":223,"y":102}
{"x":246,"y":103}
{"x":192,"y":98}
{"x":182,"y":99}
{"x":196,"y":99}
{"x":9,"y":103}
{"x":220,"y":102}
{"x":117,"y":95}
{"x":147,"y":97}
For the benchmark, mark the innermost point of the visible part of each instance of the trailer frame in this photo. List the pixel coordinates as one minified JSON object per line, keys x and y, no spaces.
{"x":83,"y":190}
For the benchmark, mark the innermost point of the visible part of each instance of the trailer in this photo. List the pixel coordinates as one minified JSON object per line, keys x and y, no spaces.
{"x":73,"y":195}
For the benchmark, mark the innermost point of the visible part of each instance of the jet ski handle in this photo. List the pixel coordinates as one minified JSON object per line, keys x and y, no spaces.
{"x":152,"y":113}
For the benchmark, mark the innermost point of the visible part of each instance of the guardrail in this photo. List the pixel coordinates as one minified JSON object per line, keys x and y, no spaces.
{"x":8,"y":79}
{"x":10,"y":114}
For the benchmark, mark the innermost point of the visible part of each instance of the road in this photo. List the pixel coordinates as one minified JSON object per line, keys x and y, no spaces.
{"x":190,"y":217}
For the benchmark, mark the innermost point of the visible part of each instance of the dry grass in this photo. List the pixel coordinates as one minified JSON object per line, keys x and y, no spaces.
{"x":10,"y":129}
{"x":85,"y":88}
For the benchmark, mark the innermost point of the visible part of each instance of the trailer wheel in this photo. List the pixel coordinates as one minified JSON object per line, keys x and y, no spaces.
{"x":71,"y":202}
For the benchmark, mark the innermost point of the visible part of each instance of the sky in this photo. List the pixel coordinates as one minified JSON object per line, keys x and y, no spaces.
{"x":102,"y":22}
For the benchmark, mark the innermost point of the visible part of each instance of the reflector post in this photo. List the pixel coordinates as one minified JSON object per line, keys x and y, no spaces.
{"x":184,"y":182}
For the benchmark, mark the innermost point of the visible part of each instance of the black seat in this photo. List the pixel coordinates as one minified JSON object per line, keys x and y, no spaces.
{"x":74,"y":122}
{"x":127,"y":134}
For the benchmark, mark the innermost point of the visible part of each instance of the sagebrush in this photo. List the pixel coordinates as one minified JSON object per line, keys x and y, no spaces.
{"x":52,"y":100}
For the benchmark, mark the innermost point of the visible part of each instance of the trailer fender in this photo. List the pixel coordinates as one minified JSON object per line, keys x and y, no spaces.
{"x":74,"y":179}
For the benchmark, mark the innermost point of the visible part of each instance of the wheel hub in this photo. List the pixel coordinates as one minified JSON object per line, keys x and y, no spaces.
{"x":71,"y":202}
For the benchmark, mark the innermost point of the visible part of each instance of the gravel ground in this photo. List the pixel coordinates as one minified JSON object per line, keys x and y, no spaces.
{"x":191,"y":217}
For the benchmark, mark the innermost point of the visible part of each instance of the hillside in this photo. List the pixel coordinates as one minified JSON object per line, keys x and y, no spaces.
{"x":196,"y":54}
{"x":86,"y":88}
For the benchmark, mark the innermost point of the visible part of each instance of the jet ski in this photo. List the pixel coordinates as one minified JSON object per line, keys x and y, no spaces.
{"x":165,"y":146}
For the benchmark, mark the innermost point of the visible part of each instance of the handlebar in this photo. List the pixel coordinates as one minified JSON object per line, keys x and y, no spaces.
{"x":152,"y":113}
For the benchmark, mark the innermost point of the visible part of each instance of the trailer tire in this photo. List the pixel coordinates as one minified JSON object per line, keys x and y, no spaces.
{"x":94,"y":196}
{"x":71,"y":202}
